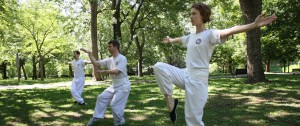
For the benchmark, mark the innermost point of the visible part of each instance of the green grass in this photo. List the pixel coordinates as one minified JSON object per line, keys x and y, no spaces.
{"x":231,"y":102}
{"x":14,"y":81}
{"x":31,"y":82}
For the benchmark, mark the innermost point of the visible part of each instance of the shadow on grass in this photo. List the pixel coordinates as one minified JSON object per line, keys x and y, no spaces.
{"x":39,"y":107}
{"x":55,"y":107}
{"x":274,"y":103}
{"x":231,"y":102}
{"x":12,"y":82}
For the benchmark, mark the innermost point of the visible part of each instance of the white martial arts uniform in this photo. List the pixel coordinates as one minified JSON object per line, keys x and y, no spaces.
{"x":78,"y":80}
{"x":194,"y":78}
{"x":117,"y":94}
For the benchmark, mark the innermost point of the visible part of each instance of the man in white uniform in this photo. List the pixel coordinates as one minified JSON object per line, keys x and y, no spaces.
{"x":117,"y":94}
{"x":194,"y":79}
{"x":79,"y":78}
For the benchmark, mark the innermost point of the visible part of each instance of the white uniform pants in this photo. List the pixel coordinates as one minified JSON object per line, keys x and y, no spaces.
{"x":196,"y":91}
{"x":116,"y":98}
{"x":77,"y":88}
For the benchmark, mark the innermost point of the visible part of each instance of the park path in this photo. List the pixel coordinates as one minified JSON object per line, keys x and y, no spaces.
{"x":64,"y":84}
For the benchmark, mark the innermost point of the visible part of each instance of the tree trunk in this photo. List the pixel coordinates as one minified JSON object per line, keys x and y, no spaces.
{"x":34,"y":71}
{"x":41,"y":69}
{"x":229,"y":68}
{"x":44,"y":69}
{"x":22,"y":63}
{"x":94,"y":5}
{"x":4,"y":67}
{"x":24,"y":72}
{"x":268,"y":62}
{"x":284,"y":64}
{"x":70,"y":71}
{"x":251,"y":9}
{"x":140,"y":60}
{"x":133,"y":29}
{"x":18,"y":66}
{"x":116,"y":5}
{"x":288,"y":66}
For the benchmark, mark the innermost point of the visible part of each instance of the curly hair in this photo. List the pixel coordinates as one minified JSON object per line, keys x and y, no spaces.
{"x":204,"y":10}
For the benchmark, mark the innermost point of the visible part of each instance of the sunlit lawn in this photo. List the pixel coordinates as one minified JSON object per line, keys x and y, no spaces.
{"x":29,"y":81}
{"x":231,"y":103}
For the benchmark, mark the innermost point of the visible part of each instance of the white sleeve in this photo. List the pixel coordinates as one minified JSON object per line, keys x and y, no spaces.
{"x":185,"y":40}
{"x":121,"y":65}
{"x":215,"y":38}
{"x":103,"y":63}
{"x":82,"y":63}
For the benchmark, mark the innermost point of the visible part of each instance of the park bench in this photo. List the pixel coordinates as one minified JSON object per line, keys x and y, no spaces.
{"x":239,"y":71}
{"x":296,"y":71}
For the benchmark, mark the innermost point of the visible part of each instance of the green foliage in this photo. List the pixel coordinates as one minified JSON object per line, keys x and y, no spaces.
{"x":69,"y":23}
{"x":225,"y":14}
{"x":223,"y":57}
{"x":12,"y":71}
{"x":281,"y":41}
{"x":232,"y":54}
{"x":41,"y":35}
{"x":8,"y":16}
{"x":165,"y":19}
{"x":8,"y":32}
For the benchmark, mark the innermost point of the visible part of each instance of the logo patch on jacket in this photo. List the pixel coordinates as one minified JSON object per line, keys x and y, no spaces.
{"x":198,"y":41}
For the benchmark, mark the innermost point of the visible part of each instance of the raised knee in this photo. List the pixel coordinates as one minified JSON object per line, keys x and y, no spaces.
{"x":158,"y":65}
{"x":99,"y":97}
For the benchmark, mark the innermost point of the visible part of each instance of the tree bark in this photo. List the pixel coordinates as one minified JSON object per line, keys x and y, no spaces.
{"x":284,"y":64}
{"x":24,"y":72}
{"x":70,"y":71}
{"x":267,"y":64}
{"x":140,"y":59}
{"x":44,"y":69}
{"x":288,"y":66}
{"x":251,"y":9}
{"x":41,"y":69}
{"x":94,"y":5}
{"x":18,"y":66}
{"x":34,"y":71}
{"x":133,"y":28}
{"x":116,"y":5}
{"x":22,"y":63}
{"x":4,"y":67}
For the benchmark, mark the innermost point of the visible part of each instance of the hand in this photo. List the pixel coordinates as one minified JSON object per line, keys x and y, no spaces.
{"x":166,"y":40}
{"x":263,"y":20}
{"x":85,"y":50}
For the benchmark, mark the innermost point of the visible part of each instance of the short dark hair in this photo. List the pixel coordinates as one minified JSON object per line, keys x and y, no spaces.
{"x":77,"y":52}
{"x":205,"y":11}
{"x":115,"y":43}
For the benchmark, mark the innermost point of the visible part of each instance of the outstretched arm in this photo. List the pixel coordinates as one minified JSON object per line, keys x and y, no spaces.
{"x":87,"y":62}
{"x":172,"y":40}
{"x":261,"y":20}
{"x":114,"y":71}
{"x":92,"y":58}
